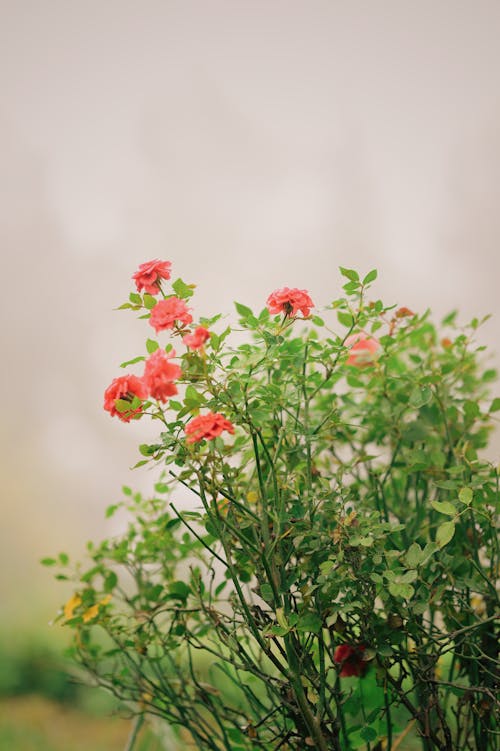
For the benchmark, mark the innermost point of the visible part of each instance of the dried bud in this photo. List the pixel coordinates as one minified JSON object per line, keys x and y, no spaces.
{"x":404,"y":313}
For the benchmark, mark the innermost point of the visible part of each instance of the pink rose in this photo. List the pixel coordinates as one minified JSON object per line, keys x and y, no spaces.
{"x":197,"y":338}
{"x":167,"y":312}
{"x":207,"y":427}
{"x":149,"y":274}
{"x":289,"y":301}
{"x":124,"y":388}
{"x":351,"y":659}
{"x":363,"y":349}
{"x":160,"y":374}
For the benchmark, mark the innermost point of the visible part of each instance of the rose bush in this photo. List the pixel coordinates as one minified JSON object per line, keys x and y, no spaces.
{"x":332,"y":584}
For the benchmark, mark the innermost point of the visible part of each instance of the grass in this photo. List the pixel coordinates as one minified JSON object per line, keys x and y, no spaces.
{"x":35,"y":723}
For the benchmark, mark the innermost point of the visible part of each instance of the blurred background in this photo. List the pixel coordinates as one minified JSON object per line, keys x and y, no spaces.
{"x":255,"y":144}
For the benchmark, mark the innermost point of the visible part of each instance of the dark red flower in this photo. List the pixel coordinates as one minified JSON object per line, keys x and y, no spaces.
{"x":351,"y":659}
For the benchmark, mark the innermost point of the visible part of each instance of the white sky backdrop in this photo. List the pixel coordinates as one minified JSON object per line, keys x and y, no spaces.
{"x":255,"y":145}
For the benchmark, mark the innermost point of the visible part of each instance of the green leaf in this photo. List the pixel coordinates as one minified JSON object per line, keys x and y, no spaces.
{"x":149,"y":301}
{"x":183,"y":290}
{"x":179,"y":590}
{"x":152,"y":346}
{"x":192,"y":397}
{"x":48,"y":561}
{"x":243,"y":310}
{"x":280,"y":617}
{"x":495,"y":405}
{"x":132,"y":362}
{"x":465,"y":495}
{"x":414,"y":555}
{"x":444,"y":507}
{"x":420,"y":396}
{"x":110,"y":581}
{"x":135,"y":298}
{"x":368,"y":734}
{"x":370,"y":277}
{"x":310,"y":623}
{"x":345,"y":319}
{"x":111,"y":510}
{"x":63,"y":559}
{"x":319,"y":322}
{"x":349,"y":274}
{"x":445,"y":533}
{"x":401,"y":589}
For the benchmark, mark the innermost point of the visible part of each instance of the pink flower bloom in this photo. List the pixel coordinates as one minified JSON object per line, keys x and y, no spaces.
{"x":351,"y":660}
{"x":289,"y":301}
{"x":207,"y":427}
{"x":363,"y":349}
{"x":149,"y":274}
{"x":166,"y":312}
{"x":159,"y":375}
{"x":197,"y":339}
{"x":124,"y":388}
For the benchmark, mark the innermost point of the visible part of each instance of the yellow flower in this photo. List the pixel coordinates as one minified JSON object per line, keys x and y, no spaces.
{"x":93,"y":611}
{"x":70,"y":607}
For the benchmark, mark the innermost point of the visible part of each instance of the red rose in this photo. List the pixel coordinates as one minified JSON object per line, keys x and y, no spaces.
{"x":149,"y":274}
{"x":289,"y":301}
{"x":124,"y":388}
{"x":350,"y":659}
{"x":197,"y":338}
{"x":166,"y":312}
{"x":363,"y":349}
{"x":160,"y":374}
{"x":207,"y":427}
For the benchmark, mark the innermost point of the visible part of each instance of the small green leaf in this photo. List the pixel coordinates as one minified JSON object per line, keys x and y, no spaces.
{"x":445,"y":533}
{"x":280,"y":617}
{"x":135,"y":298}
{"x":48,"y":561}
{"x":132,"y":362}
{"x":183,"y":290}
{"x":149,"y":301}
{"x":152,"y":346}
{"x":319,"y":322}
{"x":368,"y":734}
{"x":243,"y":310}
{"x":495,"y":405}
{"x":111,"y":510}
{"x":370,"y":277}
{"x":420,"y":396}
{"x":310,"y":623}
{"x":414,"y":555}
{"x":349,"y":274}
{"x":345,"y":319}
{"x":465,"y":495}
{"x":401,"y":589}
{"x":444,"y":507}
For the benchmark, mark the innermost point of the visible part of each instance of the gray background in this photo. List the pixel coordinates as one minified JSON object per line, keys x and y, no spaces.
{"x":255,"y":145}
